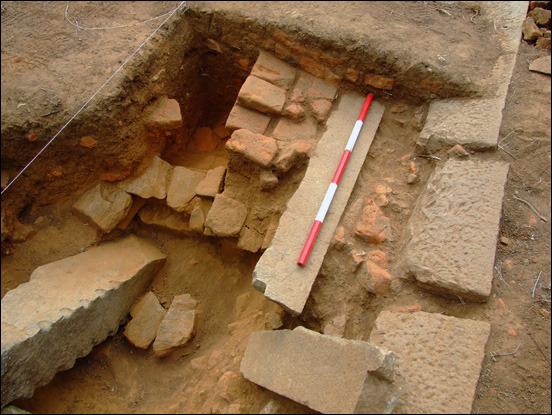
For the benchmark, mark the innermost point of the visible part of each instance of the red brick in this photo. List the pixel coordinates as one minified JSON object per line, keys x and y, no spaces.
{"x":373,"y":225}
{"x":431,"y":84}
{"x":321,"y":109}
{"x":331,"y":60}
{"x":293,"y":47}
{"x":331,"y":77}
{"x":338,"y":241}
{"x":375,"y":279}
{"x":262,"y":96}
{"x":241,"y":117}
{"x":273,"y":70}
{"x":378,"y":257}
{"x":312,"y":67}
{"x":254,"y":147}
{"x":290,"y":155}
{"x":297,"y":96}
{"x":295,"y":112}
{"x":352,"y":75}
{"x":378,"y":81}
{"x":167,"y":115}
{"x":321,"y":90}
{"x":289,"y":131}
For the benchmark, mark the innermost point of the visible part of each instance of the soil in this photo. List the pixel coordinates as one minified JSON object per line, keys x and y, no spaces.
{"x":50,"y":68}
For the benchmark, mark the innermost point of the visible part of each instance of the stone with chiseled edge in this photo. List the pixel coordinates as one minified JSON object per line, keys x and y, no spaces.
{"x":146,"y":314}
{"x":329,"y":374}
{"x":452,"y":233}
{"x":438,"y":359}
{"x":68,"y":307}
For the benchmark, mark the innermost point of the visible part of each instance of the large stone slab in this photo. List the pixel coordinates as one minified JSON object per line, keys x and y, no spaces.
{"x":152,"y":182}
{"x":326,"y":373}
{"x":68,"y":307}
{"x":277,"y":273}
{"x":104,"y":204}
{"x":438,"y":359}
{"x":452,"y":233}
{"x":472,"y":123}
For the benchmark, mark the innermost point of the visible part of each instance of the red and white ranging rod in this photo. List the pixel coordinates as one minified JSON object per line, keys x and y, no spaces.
{"x":333,"y":185}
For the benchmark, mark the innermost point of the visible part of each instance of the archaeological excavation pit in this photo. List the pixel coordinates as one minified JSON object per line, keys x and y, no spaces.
{"x":149,"y":254}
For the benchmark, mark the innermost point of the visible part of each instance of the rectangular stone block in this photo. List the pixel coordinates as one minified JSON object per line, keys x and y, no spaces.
{"x":260,"y":95}
{"x":274,"y":71}
{"x":277,"y":273}
{"x":453,"y":230}
{"x":328,"y":374}
{"x":472,"y":123}
{"x":241,"y":117}
{"x":438,"y":359}
{"x":68,"y":307}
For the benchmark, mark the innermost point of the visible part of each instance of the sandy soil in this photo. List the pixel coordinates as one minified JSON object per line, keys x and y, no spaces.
{"x":38,"y":44}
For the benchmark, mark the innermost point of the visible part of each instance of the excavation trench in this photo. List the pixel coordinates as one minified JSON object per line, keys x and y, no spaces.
{"x":204,"y":72}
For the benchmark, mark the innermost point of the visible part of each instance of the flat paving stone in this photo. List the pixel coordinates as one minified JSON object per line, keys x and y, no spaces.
{"x":273,"y":70}
{"x":438,"y":359}
{"x":472,"y":123}
{"x":260,"y":95}
{"x":68,"y":307}
{"x":326,"y":373}
{"x":277,"y":273}
{"x":452,"y":233}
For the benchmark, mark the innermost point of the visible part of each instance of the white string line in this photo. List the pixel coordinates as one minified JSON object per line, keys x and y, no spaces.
{"x":113,"y":27}
{"x":91,"y":98}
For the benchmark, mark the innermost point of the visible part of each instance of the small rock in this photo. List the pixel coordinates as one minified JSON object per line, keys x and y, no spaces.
{"x":336,"y":327}
{"x":379,"y":257}
{"x":297,"y":96}
{"x":226,"y":216}
{"x":197,"y":220}
{"x":268,"y":180}
{"x":541,"y":65}
{"x":250,"y":240}
{"x":105,"y":205}
{"x":12,"y":409}
{"x":458,"y":152}
{"x":272,"y":407}
{"x":178,"y":326}
{"x":212,"y":184}
{"x":411,"y":309}
{"x":412,"y":178}
{"x":221,"y":132}
{"x":540,"y":16}
{"x":382,"y":189}
{"x":88,"y":142}
{"x":146,"y":314}
{"x":152,"y":183}
{"x":373,"y":225}
{"x":505,"y":240}
{"x":167,"y":115}
{"x":375,"y":279}
{"x":338,"y":241}
{"x":291,"y":155}
{"x":295,"y":112}
{"x":531,"y":31}
{"x":378,"y":81}
{"x":545,"y":313}
{"x":321,"y":109}
{"x":543,"y":42}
